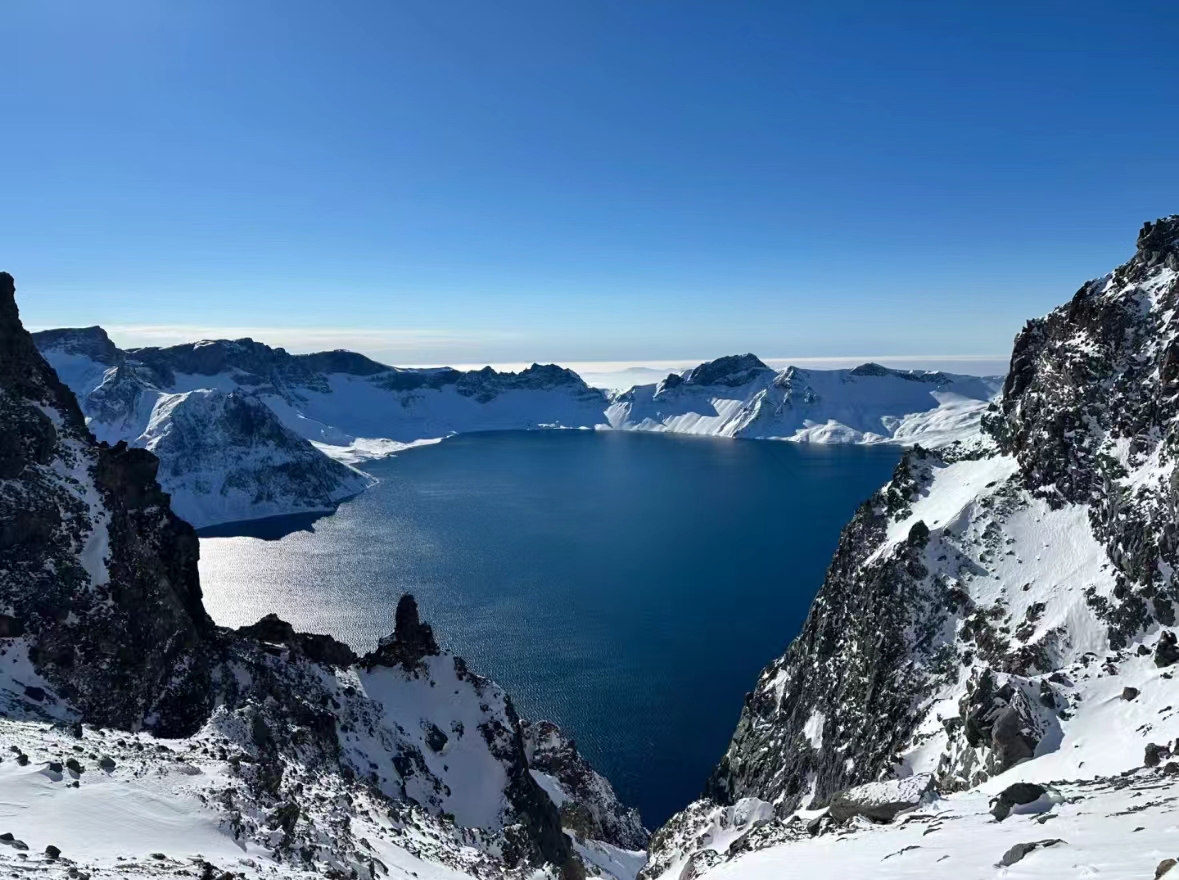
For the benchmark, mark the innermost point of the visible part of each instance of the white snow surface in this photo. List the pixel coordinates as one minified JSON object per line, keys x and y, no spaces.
{"x":869,"y":404}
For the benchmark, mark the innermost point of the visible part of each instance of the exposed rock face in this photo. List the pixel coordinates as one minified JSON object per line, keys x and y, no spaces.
{"x":589,"y":808}
{"x":1089,"y":407}
{"x":732,"y":370}
{"x":96,"y":572}
{"x":316,"y":648}
{"x":864,"y":698}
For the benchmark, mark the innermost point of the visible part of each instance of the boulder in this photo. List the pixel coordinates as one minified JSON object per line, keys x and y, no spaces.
{"x":1019,"y":794}
{"x":1154,"y":754}
{"x":882,"y":801}
{"x":1130,"y":693}
{"x":1166,"y":651}
{"x":1163,"y":867}
{"x":1020,"y":850}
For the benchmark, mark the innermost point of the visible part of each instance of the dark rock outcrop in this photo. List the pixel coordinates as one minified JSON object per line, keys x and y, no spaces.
{"x":1166,"y":652}
{"x":316,"y":648}
{"x":591,"y":808}
{"x":1016,"y":795}
{"x":99,"y":576}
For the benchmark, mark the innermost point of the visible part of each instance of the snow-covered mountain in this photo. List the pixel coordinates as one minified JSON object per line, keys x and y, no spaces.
{"x":739,"y":396}
{"x":246,"y":431}
{"x":196,"y":407}
{"x":139,"y":739}
{"x":999,"y":613}
{"x":224,"y":455}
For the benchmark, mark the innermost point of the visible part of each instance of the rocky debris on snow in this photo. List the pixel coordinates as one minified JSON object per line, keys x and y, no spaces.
{"x":1020,"y":851}
{"x":1155,"y":754}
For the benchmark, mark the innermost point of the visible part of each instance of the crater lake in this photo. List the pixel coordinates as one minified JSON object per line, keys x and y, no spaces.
{"x":629,"y":587}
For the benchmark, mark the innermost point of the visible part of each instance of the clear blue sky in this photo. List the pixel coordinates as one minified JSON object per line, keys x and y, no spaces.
{"x":443,"y":180}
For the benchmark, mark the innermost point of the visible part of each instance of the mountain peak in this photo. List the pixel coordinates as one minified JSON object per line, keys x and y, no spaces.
{"x":733,"y":369}
{"x":1158,"y":242}
{"x":871,"y":369}
{"x":93,"y":342}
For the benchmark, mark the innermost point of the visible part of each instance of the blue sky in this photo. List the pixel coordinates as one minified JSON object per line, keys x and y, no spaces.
{"x":619,"y":180}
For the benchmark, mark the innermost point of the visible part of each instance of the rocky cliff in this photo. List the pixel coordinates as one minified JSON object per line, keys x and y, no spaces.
{"x":986,"y":607}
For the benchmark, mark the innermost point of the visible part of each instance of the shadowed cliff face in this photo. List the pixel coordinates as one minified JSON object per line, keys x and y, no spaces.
{"x":95,"y":570}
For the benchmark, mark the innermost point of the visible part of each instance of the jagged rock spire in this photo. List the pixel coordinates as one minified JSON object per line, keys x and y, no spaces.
{"x":411,"y":641}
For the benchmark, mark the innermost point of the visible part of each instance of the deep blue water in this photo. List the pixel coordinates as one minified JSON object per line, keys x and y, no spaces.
{"x":629,"y":587}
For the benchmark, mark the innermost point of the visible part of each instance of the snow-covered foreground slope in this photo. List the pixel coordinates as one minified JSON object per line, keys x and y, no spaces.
{"x":1000,"y":613}
{"x":741,"y":397}
{"x":140,"y":739}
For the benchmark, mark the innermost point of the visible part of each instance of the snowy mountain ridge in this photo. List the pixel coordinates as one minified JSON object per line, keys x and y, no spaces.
{"x":352,"y":409}
{"x":740,"y":396}
{"x":142,"y":740}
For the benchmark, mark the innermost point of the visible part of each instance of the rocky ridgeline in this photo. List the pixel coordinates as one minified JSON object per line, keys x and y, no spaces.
{"x":99,"y":591}
{"x":975,"y":601}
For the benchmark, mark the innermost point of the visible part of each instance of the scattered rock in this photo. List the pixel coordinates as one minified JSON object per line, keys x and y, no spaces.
{"x":1021,"y":850}
{"x":52,"y":851}
{"x":107,"y":763}
{"x":1016,"y":795}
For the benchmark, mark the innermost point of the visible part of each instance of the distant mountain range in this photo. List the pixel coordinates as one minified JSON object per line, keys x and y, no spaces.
{"x":245,"y":431}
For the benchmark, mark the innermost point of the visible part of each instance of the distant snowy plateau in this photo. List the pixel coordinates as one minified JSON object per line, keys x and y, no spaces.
{"x":985,"y":686}
{"x":247,"y":431}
